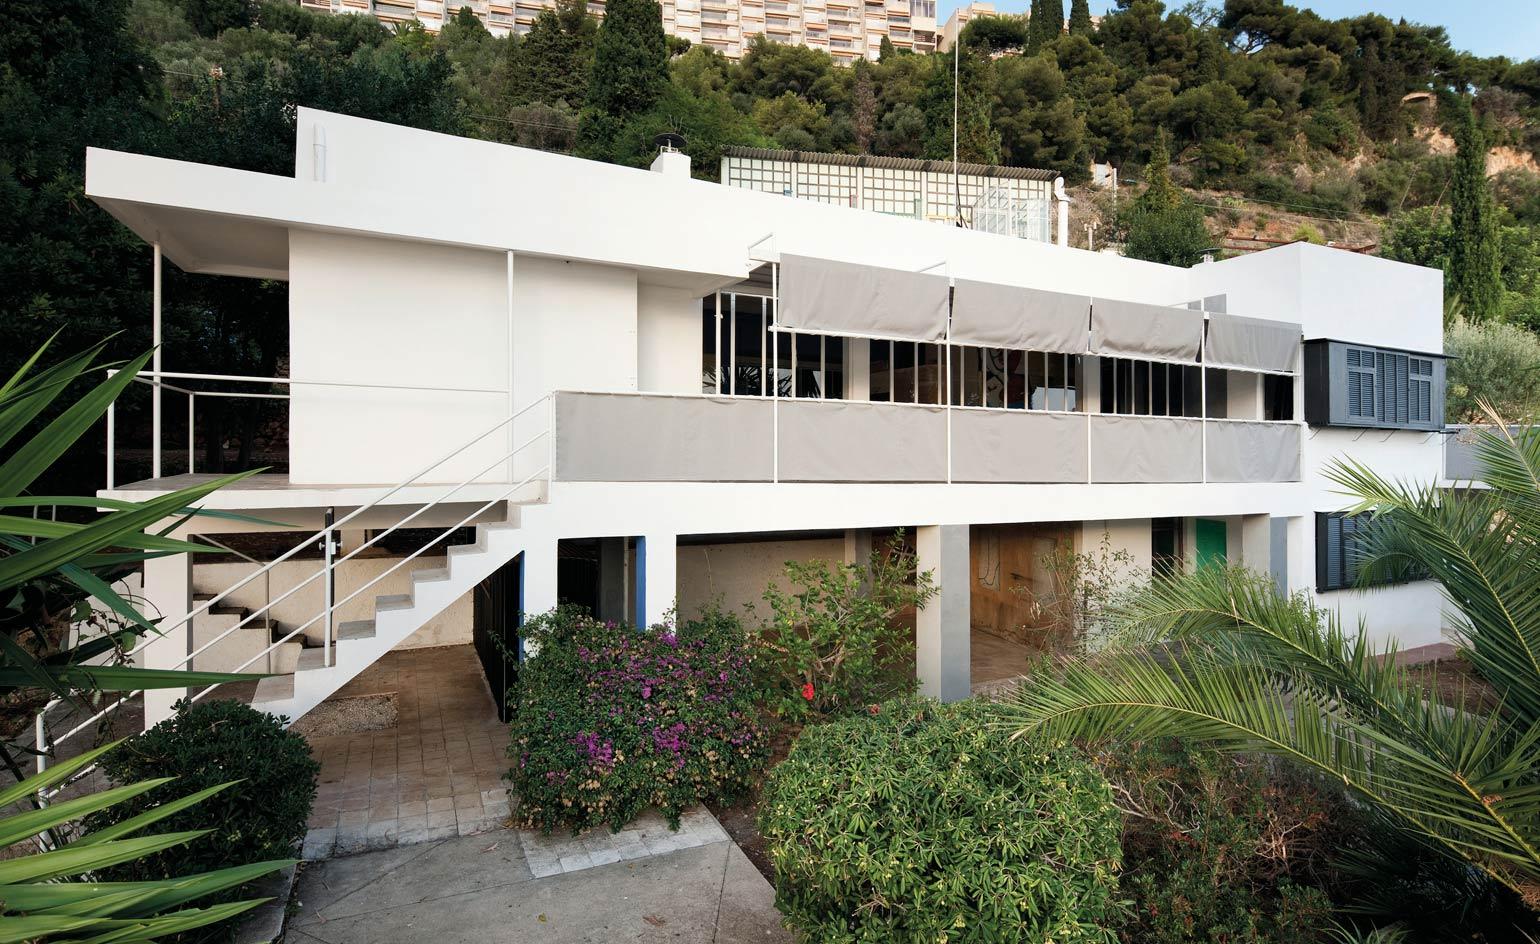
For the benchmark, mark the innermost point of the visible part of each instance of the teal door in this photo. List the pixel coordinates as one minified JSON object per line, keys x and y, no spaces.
{"x":1211,"y":543}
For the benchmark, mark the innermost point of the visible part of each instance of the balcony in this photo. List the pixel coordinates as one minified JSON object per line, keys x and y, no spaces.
{"x":605,"y":437}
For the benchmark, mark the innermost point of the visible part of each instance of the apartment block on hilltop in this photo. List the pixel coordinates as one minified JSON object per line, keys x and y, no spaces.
{"x":643,"y":393}
{"x":846,"y":29}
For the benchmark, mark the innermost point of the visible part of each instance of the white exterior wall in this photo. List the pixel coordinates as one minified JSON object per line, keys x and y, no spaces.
{"x":668,"y":341}
{"x":1349,"y":297}
{"x":737,"y":574}
{"x":374,"y":311}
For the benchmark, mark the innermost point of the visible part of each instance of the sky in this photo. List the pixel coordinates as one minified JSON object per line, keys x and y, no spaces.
{"x":1486,"y":27}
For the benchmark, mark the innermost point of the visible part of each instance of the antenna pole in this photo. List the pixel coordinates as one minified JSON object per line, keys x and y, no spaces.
{"x":956,"y":87}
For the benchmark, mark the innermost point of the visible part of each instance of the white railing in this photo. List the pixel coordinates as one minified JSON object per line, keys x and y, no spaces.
{"x":157,"y":380}
{"x":330,"y":564}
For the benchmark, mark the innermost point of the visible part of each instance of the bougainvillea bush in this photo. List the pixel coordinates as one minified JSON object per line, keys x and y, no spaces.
{"x":610,"y":720}
{"x":920,"y":822}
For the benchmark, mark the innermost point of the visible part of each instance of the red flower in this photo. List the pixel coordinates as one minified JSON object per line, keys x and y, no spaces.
{"x":807,"y":691}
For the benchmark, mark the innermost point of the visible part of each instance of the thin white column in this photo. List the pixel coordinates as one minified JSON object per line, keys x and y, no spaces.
{"x":942,"y":626}
{"x":1256,"y":542}
{"x":657,"y":579}
{"x":155,"y":365}
{"x":168,"y":592}
{"x":537,"y":580}
{"x":858,"y":369}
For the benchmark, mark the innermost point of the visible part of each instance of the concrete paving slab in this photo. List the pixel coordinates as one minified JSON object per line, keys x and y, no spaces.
{"x":367,"y":883}
{"x":706,"y":893}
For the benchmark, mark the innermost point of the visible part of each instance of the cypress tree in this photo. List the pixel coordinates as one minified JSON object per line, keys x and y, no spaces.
{"x":1475,"y":267}
{"x":1044,"y":25}
{"x":629,"y":74}
{"x":1080,"y":18}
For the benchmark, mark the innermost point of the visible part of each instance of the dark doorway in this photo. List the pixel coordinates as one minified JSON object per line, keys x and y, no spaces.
{"x":1166,"y":546}
{"x":495,"y":630}
{"x":577,"y":572}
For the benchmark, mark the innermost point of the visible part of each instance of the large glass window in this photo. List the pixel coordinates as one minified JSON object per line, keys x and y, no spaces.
{"x":739,"y":356}
{"x":1147,"y":388}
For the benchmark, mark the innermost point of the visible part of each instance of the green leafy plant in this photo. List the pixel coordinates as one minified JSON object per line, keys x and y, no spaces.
{"x":1492,"y":362}
{"x":1222,"y":848}
{"x":262,"y":816}
{"x":609,"y":720}
{"x":834,"y":642}
{"x":1227,"y":661}
{"x":49,"y":569}
{"x":55,"y":896}
{"x":921,"y":822}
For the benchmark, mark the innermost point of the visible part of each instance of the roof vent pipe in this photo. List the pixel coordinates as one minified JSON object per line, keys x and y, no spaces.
{"x":318,"y":153}
{"x":671,"y":160}
{"x":1062,"y":199}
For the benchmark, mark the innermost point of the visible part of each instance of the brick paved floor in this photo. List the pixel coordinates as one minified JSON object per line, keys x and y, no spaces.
{"x":437,"y":774}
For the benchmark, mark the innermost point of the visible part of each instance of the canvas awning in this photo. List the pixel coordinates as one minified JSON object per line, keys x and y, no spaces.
{"x":992,"y":315}
{"x":829,"y":297}
{"x":1148,"y":332}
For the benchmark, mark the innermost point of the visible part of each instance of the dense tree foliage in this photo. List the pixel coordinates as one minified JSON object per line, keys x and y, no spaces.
{"x":1474,"y":267}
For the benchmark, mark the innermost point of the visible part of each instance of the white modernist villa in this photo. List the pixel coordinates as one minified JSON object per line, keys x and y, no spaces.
{"x":645,"y":392}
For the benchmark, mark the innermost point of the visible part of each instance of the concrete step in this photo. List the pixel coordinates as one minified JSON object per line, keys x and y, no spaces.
{"x":274,"y":688}
{"x":313,"y":658}
{"x":356,"y":629}
{"x":430,"y":575}
{"x":285,"y":658}
{"x":393,"y":601}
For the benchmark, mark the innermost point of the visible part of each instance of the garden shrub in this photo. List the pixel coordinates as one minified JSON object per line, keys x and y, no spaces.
{"x":204,"y":744}
{"x":1498,"y":363}
{"x":609,"y":720}
{"x":921,"y":822}
{"x":1222,"y":848}
{"x":835,"y":641}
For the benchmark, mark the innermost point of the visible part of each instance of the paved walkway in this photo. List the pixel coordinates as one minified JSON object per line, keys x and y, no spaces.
{"x":481,"y":889}
{"x":436,"y":774}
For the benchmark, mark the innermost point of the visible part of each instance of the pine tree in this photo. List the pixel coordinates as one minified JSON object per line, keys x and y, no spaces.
{"x":552,"y":63}
{"x":1475,"y":267}
{"x":629,"y":74}
{"x":1159,"y":192}
{"x":1044,"y":25}
{"x":1080,"y":18}
{"x":863,"y":107}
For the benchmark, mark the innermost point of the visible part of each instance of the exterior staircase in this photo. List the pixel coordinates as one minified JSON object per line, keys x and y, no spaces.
{"x":295,"y":689}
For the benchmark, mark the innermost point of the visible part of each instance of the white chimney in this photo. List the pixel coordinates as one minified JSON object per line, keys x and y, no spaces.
{"x":672,"y":163}
{"x":671,"y":159}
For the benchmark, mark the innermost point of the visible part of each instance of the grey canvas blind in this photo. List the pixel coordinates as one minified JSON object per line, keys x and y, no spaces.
{"x":1253,"y":452}
{"x":605,"y":437}
{"x":1018,"y":446}
{"x":992,"y":315}
{"x":849,"y":441}
{"x":1146,"y":449}
{"x":842,"y":298}
{"x":1253,"y":343}
{"x":1151,"y":332}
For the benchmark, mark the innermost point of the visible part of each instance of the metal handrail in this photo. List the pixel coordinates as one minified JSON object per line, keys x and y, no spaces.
{"x":325,"y":534}
{"x":398,"y":565}
{"x":157,"y":379}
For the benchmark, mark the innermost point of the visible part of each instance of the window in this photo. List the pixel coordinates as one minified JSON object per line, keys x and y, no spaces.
{"x":1356,"y":385}
{"x":1336,"y":549}
{"x":1148,"y":388}
{"x":737,"y":356}
{"x":1339,"y":551}
{"x":1277,"y":397}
